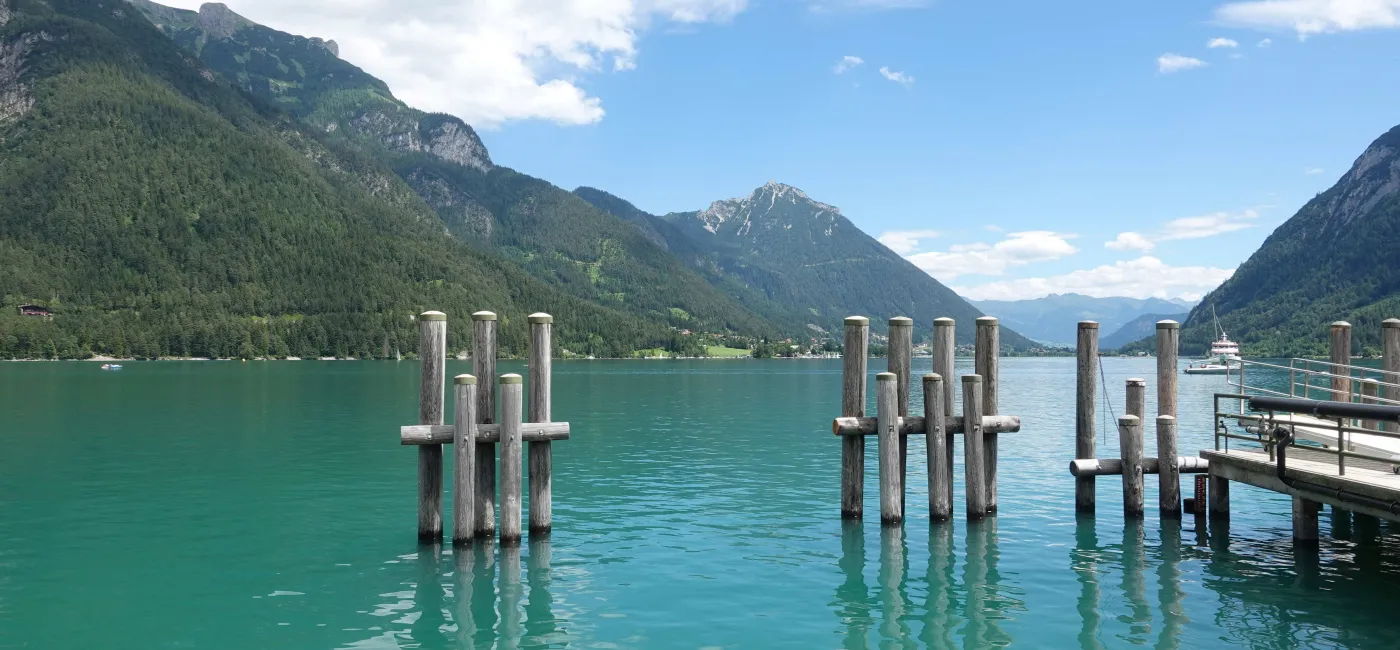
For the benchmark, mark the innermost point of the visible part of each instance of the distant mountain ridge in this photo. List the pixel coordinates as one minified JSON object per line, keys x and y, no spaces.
{"x":1143,"y":326}
{"x":1054,"y":318}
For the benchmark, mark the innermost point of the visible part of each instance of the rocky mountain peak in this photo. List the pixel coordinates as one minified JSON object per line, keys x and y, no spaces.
{"x":220,"y":21}
{"x":1373,"y":178}
{"x":4,"y":12}
{"x":772,"y":205}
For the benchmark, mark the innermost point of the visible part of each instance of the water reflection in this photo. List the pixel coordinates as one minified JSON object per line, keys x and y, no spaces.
{"x":939,"y":621}
{"x":427,"y":629}
{"x":541,"y":625}
{"x":1139,"y":619}
{"x":852,"y":596}
{"x":987,"y":603}
{"x":511,"y":593}
{"x":1170,"y":595}
{"x":1084,"y":560}
{"x":894,"y":597}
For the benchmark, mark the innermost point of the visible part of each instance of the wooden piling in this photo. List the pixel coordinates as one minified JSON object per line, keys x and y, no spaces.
{"x":541,"y":452}
{"x":1086,"y":380}
{"x":940,"y":493}
{"x":484,"y":365}
{"x":1305,"y":521}
{"x":1169,"y":465}
{"x":1390,"y":362}
{"x":900,"y":358}
{"x":974,"y":448}
{"x":891,"y":484}
{"x":1130,"y":451}
{"x":1370,"y":391}
{"x":854,"y":357}
{"x":987,"y":360}
{"x":464,"y":459}
{"x":512,"y":399}
{"x":944,"y":352}
{"x":1168,"y":345}
{"x":1136,"y":397}
{"x":1219,"y":497}
{"x":432,"y":352}
{"x":1341,"y":358}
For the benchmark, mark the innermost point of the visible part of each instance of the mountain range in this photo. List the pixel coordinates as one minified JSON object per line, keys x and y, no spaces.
{"x":1054,"y":319}
{"x":194,"y":184}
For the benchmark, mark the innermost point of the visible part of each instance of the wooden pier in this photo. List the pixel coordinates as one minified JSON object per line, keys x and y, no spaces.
{"x":476,"y":433}
{"x":979,"y":424}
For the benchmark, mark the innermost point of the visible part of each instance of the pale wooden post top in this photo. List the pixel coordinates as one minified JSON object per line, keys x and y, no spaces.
{"x":1391,"y":322}
{"x":943,"y":322}
{"x":987,"y":320}
{"x":901,"y":321}
{"x":512,"y":379}
{"x":1368,"y":380}
{"x":1135,"y":381}
{"x":484,"y":315}
{"x":432,"y":315}
{"x":972,"y":379}
{"x":1340,"y":324}
{"x":541,"y":318}
{"x":886,"y":376}
{"x":1168,"y":325}
{"x":933,"y":376}
{"x":1088,"y":325}
{"x":857,"y":321}
{"x":464,"y":379}
{"x":1165,"y":419}
{"x":1129,"y":420}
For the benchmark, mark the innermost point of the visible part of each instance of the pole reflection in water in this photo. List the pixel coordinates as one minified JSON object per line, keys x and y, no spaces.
{"x":541,"y":627}
{"x":1169,"y":592}
{"x":852,"y":596}
{"x":938,"y":622}
{"x":481,"y":599}
{"x":1341,"y":523}
{"x":894,"y":599}
{"x":427,"y":596}
{"x":1084,"y":560}
{"x":1134,"y":585}
{"x":986,"y":604}
{"x":463,"y":576}
{"x":511,"y":592}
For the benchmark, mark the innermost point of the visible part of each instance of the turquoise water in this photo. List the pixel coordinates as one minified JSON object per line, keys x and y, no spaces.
{"x":268,"y":505}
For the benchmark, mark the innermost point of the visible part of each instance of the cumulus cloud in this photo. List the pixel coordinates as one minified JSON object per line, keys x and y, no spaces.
{"x":1207,"y":225}
{"x":897,"y":77}
{"x":1130,"y":241}
{"x":1222,"y":42}
{"x":1145,"y":277}
{"x":1169,"y":63}
{"x":1018,"y":249}
{"x":1266,"y":42}
{"x":1313,"y":171}
{"x":905,"y":242}
{"x":486,"y":61}
{"x":1309,"y":17}
{"x":847,"y":63}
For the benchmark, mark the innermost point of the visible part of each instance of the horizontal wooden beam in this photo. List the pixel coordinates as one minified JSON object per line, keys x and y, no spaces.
{"x":441,"y":434}
{"x":914,"y":426}
{"x":1114,"y":466}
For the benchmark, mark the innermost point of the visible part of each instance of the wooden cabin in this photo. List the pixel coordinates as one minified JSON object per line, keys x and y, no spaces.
{"x":35,"y":310}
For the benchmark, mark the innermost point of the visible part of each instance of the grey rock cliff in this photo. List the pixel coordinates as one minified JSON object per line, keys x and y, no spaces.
{"x":220,"y":21}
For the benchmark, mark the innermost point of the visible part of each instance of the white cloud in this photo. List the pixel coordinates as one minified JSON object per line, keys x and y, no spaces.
{"x":1169,"y":63}
{"x":1222,"y":42}
{"x":1145,"y":277}
{"x":1207,"y":225}
{"x":1313,"y":171}
{"x":1018,"y":249}
{"x":486,"y":61}
{"x":872,"y":5}
{"x":847,"y":63}
{"x":1130,"y":241}
{"x":1309,"y":17}
{"x":897,"y":77}
{"x":1266,"y":42}
{"x":905,"y":242}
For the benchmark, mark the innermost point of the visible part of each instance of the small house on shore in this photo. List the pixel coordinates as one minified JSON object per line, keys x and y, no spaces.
{"x":35,"y":310}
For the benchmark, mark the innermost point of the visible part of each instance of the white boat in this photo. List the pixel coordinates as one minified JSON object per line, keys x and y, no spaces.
{"x":1224,"y":355}
{"x":111,"y":366}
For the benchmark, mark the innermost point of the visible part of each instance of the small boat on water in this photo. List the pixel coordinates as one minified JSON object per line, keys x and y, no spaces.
{"x":1224,"y":355}
{"x":111,"y":366}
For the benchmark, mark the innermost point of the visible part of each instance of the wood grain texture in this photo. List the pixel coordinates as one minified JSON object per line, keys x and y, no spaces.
{"x":541,"y":452}
{"x":940,"y":493}
{"x":432,"y":354}
{"x":1114,"y":466}
{"x":464,"y":460}
{"x":944,"y":353}
{"x":1169,"y":474}
{"x":437,"y":434}
{"x":1340,"y":358}
{"x":1390,"y":362}
{"x":1305,"y":521}
{"x":987,"y":362}
{"x":1130,"y":453}
{"x":917,"y":425}
{"x":484,"y":367}
{"x":1135,"y":391}
{"x":512,"y":402}
{"x":854,"y":357}
{"x":900,"y":358}
{"x":1086,"y":379}
{"x":973,"y":448}
{"x":1168,"y":347}
{"x":1369,"y":390}
{"x":1218,"y":496}
{"x":891,"y":484}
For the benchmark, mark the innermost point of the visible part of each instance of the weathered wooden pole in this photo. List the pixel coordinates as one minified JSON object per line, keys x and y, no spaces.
{"x":541,"y":453}
{"x":887,"y":414}
{"x":987,"y":363}
{"x":1218,"y":496}
{"x":1168,"y":464}
{"x":464,"y":459}
{"x":1136,"y":397}
{"x":901,"y":354}
{"x":1341,"y":358}
{"x":1168,"y":345}
{"x":432,"y":351}
{"x":974,"y":448}
{"x":940,"y":493}
{"x":1370,"y":391}
{"x":854,"y":356}
{"x":1086,"y":380}
{"x":1130,"y":451}
{"x":512,"y":399}
{"x":1305,"y":521}
{"x":484,"y":365}
{"x":944,"y":353}
{"x":1390,"y":363}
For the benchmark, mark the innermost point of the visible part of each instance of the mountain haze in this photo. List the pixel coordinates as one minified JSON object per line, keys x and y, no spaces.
{"x":1055,"y":318}
{"x":1143,"y":326}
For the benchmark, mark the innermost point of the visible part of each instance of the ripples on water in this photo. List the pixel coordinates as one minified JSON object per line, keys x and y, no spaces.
{"x":697,"y":506}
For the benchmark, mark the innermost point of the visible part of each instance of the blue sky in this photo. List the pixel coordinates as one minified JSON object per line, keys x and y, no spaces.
{"x":1000,"y":145}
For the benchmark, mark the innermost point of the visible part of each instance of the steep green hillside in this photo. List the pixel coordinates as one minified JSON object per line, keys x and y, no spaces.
{"x":1331,"y":261}
{"x":158,"y":211}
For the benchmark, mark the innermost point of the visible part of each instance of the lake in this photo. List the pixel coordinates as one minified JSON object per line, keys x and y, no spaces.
{"x":269,"y":505}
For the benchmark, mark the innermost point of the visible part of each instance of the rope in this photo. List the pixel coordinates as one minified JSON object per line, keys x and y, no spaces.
{"x":1103,"y":430}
